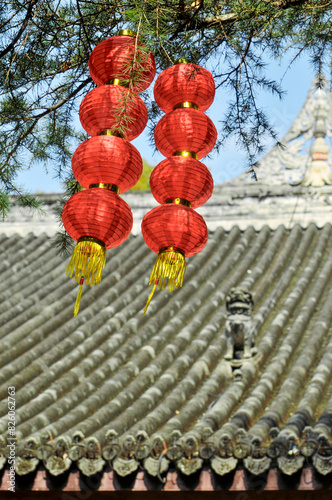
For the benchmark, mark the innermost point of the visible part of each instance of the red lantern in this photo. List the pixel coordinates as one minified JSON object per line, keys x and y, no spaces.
{"x":174,"y":232}
{"x":122,"y":57}
{"x":183,"y":83}
{"x":97,"y":219}
{"x":109,"y":160}
{"x":185,"y":130}
{"x":175,"y":226}
{"x":114,"y":108}
{"x":100,"y":214}
{"x":184,"y":178}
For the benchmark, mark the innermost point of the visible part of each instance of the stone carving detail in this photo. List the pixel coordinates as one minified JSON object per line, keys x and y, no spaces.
{"x":142,"y":448}
{"x":223,"y":466}
{"x":59,"y":461}
{"x":26,"y":460}
{"x":322,"y":464}
{"x":318,"y":171}
{"x":155,"y":467}
{"x":189,"y":465}
{"x":112,"y":447}
{"x":77,"y":450}
{"x":208,"y":446}
{"x":292,"y":159}
{"x":310,"y":443}
{"x":24,"y":466}
{"x":57,"y":465}
{"x":175,"y":448}
{"x":257,"y":466}
{"x":241,"y":448}
{"x":89,"y":467}
{"x":290,"y":465}
{"x":124,"y":467}
{"x":239,"y":326}
{"x":92,"y":462}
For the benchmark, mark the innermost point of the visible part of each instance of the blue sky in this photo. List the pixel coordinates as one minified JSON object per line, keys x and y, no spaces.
{"x":230,"y":162}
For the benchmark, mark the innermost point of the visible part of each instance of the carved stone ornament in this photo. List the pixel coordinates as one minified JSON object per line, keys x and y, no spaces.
{"x":223,"y":466}
{"x":57,"y":465}
{"x":155,"y":466}
{"x":322,"y":464}
{"x":290,"y":163}
{"x":124,"y":467}
{"x":207,"y":450}
{"x":239,"y":326}
{"x":89,"y":467}
{"x":110,"y":451}
{"x":290,"y":465}
{"x":189,"y":465}
{"x":76,"y":452}
{"x":59,"y":461}
{"x":112,"y":447}
{"x":24,"y":466}
{"x":142,"y":448}
{"x":257,"y":466}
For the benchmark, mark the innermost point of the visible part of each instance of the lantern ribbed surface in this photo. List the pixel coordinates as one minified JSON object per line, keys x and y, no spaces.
{"x":107,"y":159}
{"x":98,"y":213}
{"x":184,"y":83}
{"x":103,"y":109}
{"x":178,"y":177}
{"x":185,"y":129}
{"x":174,"y":226}
{"x":115,"y":58}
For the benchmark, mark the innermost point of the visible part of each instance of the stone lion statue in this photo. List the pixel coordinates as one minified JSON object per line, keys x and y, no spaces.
{"x":239,"y":326}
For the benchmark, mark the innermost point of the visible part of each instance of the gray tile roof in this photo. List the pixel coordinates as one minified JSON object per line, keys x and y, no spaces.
{"x":113,"y":386}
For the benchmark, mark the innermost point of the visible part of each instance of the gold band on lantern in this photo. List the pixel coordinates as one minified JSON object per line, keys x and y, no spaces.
{"x":117,"y":81}
{"x":111,"y":132}
{"x":104,"y":185}
{"x":93,"y":240}
{"x":185,"y":154}
{"x":186,"y":104}
{"x":127,"y":33}
{"x":179,"y":201}
{"x":170,"y":249}
{"x":182,"y":60}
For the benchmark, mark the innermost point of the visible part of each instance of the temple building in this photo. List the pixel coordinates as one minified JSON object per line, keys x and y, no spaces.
{"x":225,"y":385}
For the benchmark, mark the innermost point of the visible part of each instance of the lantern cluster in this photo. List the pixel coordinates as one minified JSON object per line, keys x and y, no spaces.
{"x":180,"y":183}
{"x":107,"y":164}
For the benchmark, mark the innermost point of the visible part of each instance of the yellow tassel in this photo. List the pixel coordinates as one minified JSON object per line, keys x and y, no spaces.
{"x":171,"y":265}
{"x":86,"y":263}
{"x":88,"y":260}
{"x":150,"y":296}
{"x":79,"y":295}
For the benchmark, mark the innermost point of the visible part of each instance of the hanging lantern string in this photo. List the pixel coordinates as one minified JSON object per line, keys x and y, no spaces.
{"x":171,"y":265}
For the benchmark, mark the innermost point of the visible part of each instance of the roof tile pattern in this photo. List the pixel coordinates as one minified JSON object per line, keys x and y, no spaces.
{"x":113,"y":386}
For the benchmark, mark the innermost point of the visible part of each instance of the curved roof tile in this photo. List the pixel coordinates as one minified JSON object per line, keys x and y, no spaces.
{"x":133,"y":386}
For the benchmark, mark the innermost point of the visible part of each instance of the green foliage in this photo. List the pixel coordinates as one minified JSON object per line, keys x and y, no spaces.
{"x":4,"y":205}
{"x":143,"y":183}
{"x":45,"y":46}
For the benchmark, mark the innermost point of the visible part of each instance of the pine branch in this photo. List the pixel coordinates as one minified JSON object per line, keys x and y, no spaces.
{"x":24,"y":25}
